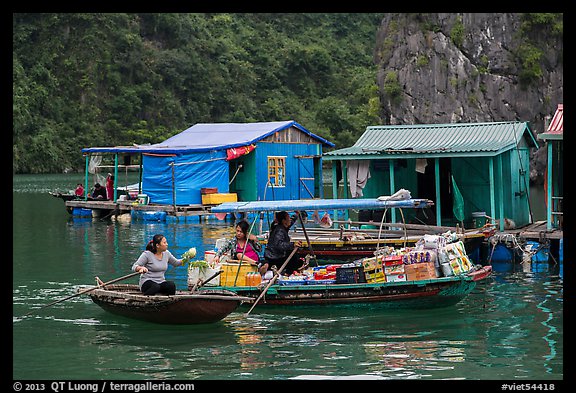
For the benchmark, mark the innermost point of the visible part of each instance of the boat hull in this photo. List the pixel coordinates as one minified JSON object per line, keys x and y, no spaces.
{"x":348,"y":250}
{"x":183,"y":308}
{"x":432,"y":293}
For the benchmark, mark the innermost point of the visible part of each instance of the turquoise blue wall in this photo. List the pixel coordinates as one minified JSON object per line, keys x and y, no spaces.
{"x":472,"y":177}
{"x":295,"y":169}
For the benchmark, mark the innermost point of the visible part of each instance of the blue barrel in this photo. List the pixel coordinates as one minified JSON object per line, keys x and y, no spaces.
{"x":542,"y":253}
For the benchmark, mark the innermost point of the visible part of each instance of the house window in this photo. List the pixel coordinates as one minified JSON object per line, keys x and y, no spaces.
{"x":277,"y":171}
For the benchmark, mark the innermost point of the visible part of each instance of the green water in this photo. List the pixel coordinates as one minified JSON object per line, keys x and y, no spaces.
{"x":510,"y":329}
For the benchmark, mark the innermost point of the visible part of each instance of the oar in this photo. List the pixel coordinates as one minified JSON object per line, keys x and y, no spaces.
{"x":83,"y":292}
{"x":272,"y":280}
{"x":199,"y":284}
{"x":307,"y":238}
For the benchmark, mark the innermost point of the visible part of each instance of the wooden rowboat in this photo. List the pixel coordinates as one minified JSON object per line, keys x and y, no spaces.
{"x":203,"y":306}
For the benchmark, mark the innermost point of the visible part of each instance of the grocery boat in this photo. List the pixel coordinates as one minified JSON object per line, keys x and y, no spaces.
{"x":430,"y":293}
{"x":408,"y":283}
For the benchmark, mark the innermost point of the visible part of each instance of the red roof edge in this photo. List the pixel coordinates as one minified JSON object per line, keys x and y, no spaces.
{"x":557,"y":124}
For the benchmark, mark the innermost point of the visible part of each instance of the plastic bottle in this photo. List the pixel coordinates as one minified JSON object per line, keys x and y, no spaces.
{"x":250,"y":279}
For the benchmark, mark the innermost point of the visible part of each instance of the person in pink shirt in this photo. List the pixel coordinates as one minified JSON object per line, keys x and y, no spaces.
{"x":235,"y":247}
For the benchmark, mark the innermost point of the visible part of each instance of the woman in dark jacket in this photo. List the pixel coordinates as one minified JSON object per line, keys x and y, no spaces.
{"x":279,"y":245}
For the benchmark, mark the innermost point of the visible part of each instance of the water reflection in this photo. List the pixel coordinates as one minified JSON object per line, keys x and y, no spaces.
{"x":510,"y":327}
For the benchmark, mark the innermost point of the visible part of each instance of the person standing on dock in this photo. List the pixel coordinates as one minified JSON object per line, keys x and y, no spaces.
{"x":110,"y":187}
{"x":152,"y":264}
{"x":279,"y":245}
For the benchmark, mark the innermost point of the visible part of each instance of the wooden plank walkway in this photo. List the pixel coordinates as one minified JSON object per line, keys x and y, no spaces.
{"x":127,"y":206}
{"x":537,"y":231}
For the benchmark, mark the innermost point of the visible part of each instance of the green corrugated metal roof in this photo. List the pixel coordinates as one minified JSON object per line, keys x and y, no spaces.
{"x":429,"y":140}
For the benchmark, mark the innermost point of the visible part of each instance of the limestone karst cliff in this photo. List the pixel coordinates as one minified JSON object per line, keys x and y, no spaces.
{"x":478,"y":67}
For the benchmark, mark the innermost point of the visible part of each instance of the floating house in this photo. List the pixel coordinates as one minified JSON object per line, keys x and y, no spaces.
{"x":251,"y":161}
{"x":486,"y":163}
{"x":554,"y":138}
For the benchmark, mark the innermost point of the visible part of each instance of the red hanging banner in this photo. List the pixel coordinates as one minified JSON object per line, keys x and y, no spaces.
{"x":236,"y":152}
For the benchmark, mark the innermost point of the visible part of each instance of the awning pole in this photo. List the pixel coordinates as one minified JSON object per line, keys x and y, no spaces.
{"x":438,"y":201}
{"x":86,"y":178}
{"x":501,"y":191}
{"x":141,"y":168}
{"x":173,"y":188}
{"x":115,"y":196}
{"x":492,"y":187}
{"x":392,"y":190}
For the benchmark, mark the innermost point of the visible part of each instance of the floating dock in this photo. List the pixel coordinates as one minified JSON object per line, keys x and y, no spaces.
{"x":534,"y":240}
{"x":146,"y":212}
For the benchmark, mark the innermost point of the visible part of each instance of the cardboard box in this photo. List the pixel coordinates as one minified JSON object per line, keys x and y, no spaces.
{"x":216,"y":199}
{"x":372,"y":263}
{"x":349,"y":275}
{"x":396,"y":269}
{"x":419,"y":256}
{"x":420,"y":271}
{"x":392,"y":260}
{"x":395,"y":277}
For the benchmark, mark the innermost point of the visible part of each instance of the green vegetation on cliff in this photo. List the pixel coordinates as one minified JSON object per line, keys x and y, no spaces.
{"x":84,"y":80}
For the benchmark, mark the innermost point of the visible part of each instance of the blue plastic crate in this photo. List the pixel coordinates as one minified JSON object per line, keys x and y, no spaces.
{"x":81,"y":212}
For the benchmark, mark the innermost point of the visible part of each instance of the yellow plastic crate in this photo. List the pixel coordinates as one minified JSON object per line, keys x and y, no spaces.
{"x":229,"y":271}
{"x":216,"y":199}
{"x":376,"y":275}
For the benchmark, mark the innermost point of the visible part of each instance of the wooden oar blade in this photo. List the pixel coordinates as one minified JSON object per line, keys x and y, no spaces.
{"x":81,"y":293}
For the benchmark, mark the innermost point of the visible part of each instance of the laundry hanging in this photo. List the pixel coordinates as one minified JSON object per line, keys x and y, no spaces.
{"x":358,"y":175}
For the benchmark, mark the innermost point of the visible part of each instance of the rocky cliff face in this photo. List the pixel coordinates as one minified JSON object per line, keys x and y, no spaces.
{"x":446,"y":68}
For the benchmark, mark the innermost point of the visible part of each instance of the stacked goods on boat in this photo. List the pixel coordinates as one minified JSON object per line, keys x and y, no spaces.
{"x":233,"y":273}
{"x":445,"y":253}
{"x":433,"y":256}
{"x":237,"y":274}
{"x":373,"y":269}
{"x":394,"y":267}
{"x":453,"y":259}
{"x":350,"y":273}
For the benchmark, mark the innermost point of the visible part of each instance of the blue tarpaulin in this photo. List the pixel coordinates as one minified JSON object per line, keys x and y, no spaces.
{"x":211,"y":136}
{"x":192,"y":171}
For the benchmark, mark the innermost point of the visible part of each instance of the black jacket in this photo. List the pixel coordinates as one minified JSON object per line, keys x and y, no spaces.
{"x":279,"y":245}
